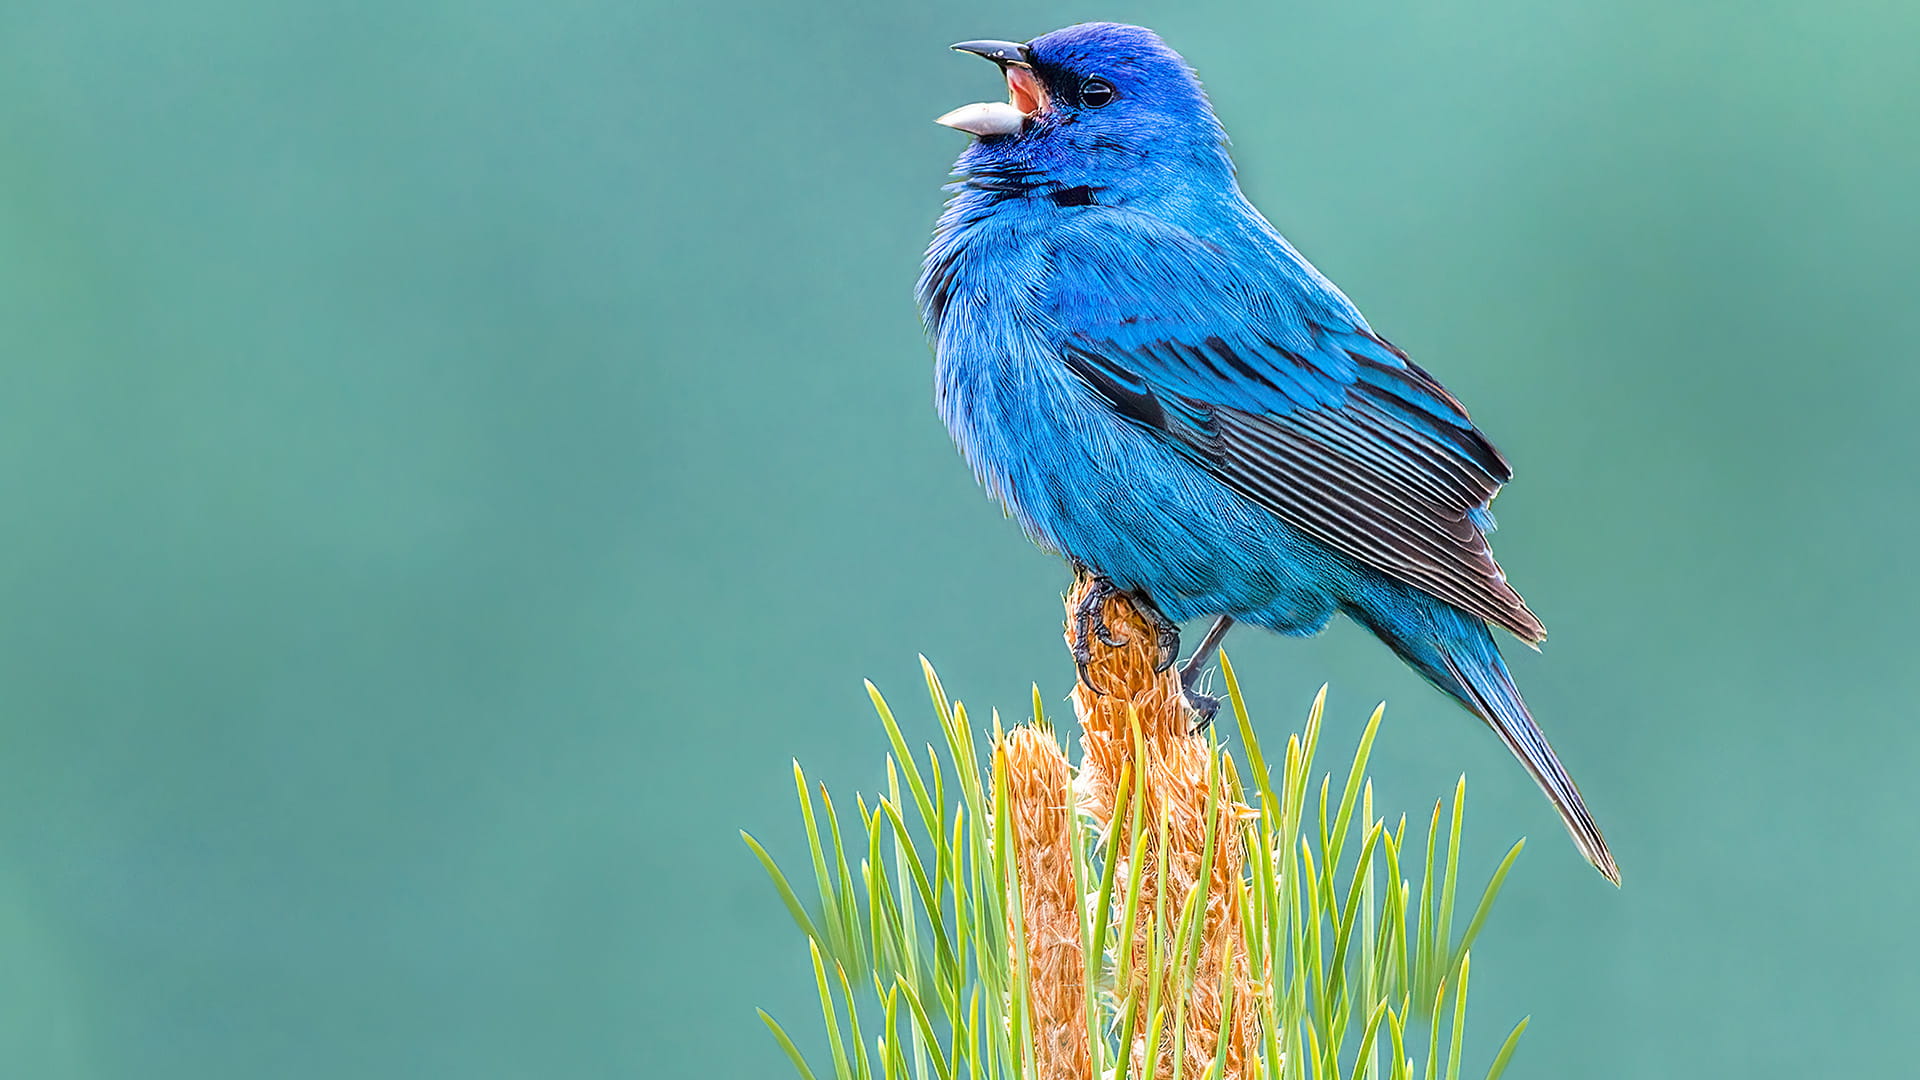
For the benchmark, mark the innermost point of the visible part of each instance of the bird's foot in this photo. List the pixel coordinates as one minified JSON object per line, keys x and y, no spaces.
{"x":1205,"y":707}
{"x":1166,"y":632}
{"x":1090,"y":621}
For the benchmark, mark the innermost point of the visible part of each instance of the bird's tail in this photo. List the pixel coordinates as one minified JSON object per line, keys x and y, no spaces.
{"x":1458,"y":655}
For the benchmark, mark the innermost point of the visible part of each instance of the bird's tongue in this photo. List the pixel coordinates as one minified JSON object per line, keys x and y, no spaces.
{"x":1025,"y":98}
{"x":1024,"y":91}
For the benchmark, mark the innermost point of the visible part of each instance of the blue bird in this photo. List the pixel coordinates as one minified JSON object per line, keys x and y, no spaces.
{"x":1162,"y":390}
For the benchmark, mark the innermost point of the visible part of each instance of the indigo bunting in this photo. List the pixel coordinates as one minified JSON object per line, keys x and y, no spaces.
{"x":1162,"y":390}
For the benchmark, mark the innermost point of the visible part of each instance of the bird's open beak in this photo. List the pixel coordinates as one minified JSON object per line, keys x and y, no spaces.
{"x":1026,"y":97}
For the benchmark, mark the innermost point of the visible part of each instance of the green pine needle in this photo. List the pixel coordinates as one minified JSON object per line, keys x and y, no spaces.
{"x":909,"y":943}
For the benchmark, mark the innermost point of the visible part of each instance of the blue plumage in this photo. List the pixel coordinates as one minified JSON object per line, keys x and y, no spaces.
{"x":1161,"y":389}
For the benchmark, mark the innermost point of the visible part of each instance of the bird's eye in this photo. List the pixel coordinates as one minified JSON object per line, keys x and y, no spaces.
{"x":1097,"y":93}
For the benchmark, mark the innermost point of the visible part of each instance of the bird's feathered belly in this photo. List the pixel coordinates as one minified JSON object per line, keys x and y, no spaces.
{"x":1087,"y":484}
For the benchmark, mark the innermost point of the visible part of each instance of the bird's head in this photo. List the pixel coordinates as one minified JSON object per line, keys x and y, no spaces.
{"x":1103,"y":105}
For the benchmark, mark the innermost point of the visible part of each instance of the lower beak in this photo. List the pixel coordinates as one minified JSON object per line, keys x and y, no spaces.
{"x":1026,"y":96}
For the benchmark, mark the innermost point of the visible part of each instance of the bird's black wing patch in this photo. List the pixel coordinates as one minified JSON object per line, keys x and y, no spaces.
{"x":1189,"y":425}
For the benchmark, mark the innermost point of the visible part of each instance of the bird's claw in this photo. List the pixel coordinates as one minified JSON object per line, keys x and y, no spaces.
{"x":1089,"y":619}
{"x":1082,"y":656}
{"x":1169,"y":642}
{"x":1166,"y":632}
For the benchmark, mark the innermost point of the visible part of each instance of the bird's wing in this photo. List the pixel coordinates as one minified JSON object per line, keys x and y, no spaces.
{"x":1246,"y":359}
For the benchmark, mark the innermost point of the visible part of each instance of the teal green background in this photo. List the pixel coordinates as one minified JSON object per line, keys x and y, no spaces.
{"x":456,"y":454}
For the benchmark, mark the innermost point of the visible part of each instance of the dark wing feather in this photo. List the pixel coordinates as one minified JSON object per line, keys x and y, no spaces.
{"x":1271,"y":380}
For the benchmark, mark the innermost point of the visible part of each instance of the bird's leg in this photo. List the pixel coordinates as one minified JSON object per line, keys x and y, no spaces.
{"x":1204,"y":706}
{"x":1216,"y":633}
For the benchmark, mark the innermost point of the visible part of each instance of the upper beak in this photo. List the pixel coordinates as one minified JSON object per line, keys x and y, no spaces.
{"x":1000,"y":52}
{"x":1026,"y":94}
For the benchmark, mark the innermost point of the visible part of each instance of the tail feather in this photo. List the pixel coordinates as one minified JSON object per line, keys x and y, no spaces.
{"x":1456,"y":653}
{"x":1489,"y":691}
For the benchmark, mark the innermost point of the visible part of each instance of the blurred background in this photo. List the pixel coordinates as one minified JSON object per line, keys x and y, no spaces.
{"x":456,"y":454}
